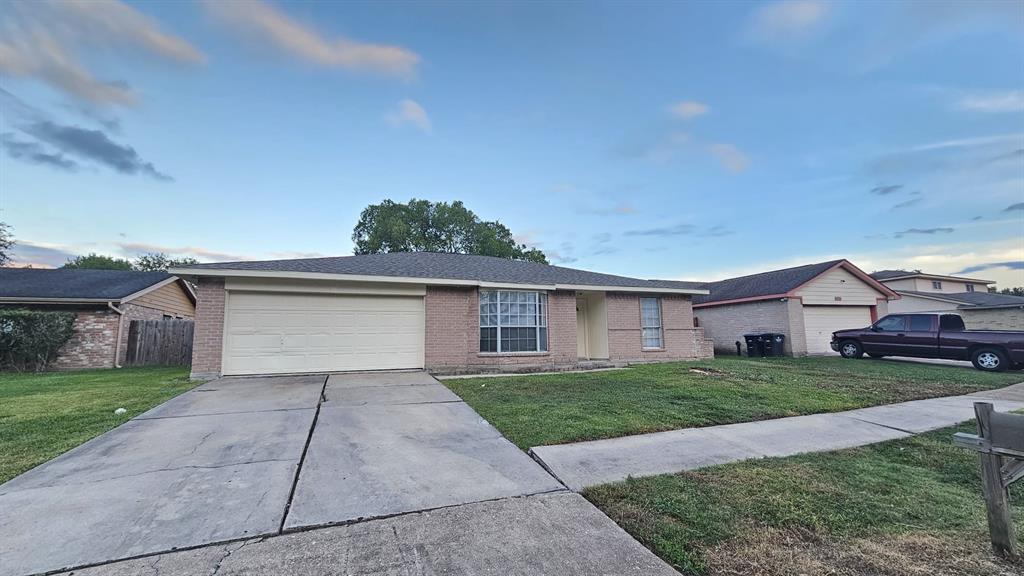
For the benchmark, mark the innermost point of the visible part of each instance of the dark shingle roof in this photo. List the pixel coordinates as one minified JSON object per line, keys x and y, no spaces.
{"x":31,"y":283}
{"x":973,"y":299}
{"x":887,"y":274}
{"x":763,"y":284}
{"x":447,"y":267}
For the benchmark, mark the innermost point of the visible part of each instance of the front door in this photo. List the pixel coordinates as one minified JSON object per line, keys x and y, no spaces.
{"x":581,"y":328}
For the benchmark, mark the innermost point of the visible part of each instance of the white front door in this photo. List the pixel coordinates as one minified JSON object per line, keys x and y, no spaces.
{"x":268,"y":333}
{"x":821,"y":321}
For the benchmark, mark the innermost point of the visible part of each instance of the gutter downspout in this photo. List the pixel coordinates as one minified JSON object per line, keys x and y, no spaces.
{"x":117,"y":341}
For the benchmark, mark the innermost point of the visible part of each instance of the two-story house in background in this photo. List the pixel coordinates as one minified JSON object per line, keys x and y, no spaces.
{"x":969,"y":297}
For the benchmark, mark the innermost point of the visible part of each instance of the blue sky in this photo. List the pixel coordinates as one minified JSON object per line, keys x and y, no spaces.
{"x":678,"y":140}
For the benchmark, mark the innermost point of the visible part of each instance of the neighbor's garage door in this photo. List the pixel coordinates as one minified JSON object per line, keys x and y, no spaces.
{"x":282,"y":333}
{"x":821,"y":321}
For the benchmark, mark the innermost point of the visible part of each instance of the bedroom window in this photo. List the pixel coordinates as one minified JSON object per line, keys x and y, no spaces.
{"x":650,"y":323}
{"x":513,"y":321}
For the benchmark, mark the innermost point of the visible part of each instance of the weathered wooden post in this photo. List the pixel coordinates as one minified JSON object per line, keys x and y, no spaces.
{"x":1000,"y":438}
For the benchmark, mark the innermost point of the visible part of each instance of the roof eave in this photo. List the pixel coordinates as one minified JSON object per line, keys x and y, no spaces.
{"x":229,"y":273}
{"x":28,"y":300}
{"x":939,"y":277}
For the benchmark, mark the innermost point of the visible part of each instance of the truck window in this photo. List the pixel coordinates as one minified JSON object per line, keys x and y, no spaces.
{"x":920,"y":323}
{"x":891,"y":324}
{"x":951,"y":323}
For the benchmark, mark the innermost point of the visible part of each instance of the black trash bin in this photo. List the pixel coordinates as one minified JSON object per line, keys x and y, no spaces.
{"x":774,"y":344}
{"x":755,"y":345}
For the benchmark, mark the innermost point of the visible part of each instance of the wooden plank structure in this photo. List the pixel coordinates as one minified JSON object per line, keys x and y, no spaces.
{"x":1000,"y":442}
{"x":160,"y":343}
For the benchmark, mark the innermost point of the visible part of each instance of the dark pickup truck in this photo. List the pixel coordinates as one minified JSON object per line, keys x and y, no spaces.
{"x":933,"y":336}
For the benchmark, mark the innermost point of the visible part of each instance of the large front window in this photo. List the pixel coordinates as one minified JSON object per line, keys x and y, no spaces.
{"x":513,"y":321}
{"x":650,"y":322}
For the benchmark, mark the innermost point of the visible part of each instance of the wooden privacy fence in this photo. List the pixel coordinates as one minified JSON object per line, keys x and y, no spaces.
{"x":160,"y":343}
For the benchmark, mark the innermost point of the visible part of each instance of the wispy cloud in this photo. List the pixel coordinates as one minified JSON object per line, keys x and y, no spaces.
{"x":1014,"y":265}
{"x":787,"y":21}
{"x":886,"y":189}
{"x":273,"y":26}
{"x":64,"y":146}
{"x":199,"y":253}
{"x":717,"y":232}
{"x":1014,"y":207}
{"x":730,"y":157}
{"x":93,"y":145}
{"x":676,"y":230}
{"x":688,"y":109}
{"x":39,"y":255}
{"x":923,"y":231}
{"x":409,"y":112}
{"x":35,"y":153}
{"x":907,"y":203}
{"x":992,"y":101}
{"x":618,"y":209}
{"x":43,"y":39}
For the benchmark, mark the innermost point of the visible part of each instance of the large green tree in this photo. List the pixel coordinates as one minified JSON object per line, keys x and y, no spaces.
{"x":6,"y":242}
{"x":424,"y":226}
{"x":1015,"y":291}
{"x":158,"y":261}
{"x":151,"y":262}
{"x":95,"y":261}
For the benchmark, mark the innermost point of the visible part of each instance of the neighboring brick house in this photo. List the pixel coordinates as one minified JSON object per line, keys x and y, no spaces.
{"x":447,"y":313}
{"x":806,"y":303}
{"x":968,"y":297}
{"x":104,"y":301}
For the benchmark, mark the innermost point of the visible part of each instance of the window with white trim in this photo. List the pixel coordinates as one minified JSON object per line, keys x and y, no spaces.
{"x":970,"y":287}
{"x":936,"y":285}
{"x":650,"y":323}
{"x":513,"y":321}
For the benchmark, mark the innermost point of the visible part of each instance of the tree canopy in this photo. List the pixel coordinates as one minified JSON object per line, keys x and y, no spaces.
{"x":152,"y":262}
{"x":424,"y":226}
{"x":6,"y":242}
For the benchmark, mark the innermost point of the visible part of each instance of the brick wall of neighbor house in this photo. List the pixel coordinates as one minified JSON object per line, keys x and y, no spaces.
{"x":682,"y":340}
{"x":133,"y":312}
{"x":208,"y":341}
{"x":727,"y":324}
{"x":453,"y":334}
{"x":92,"y":344}
{"x":993,"y":319}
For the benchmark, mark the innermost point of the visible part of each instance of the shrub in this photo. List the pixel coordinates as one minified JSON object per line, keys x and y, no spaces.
{"x":30,"y":339}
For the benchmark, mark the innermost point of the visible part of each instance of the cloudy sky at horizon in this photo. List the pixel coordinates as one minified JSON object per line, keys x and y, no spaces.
{"x":690,"y":140}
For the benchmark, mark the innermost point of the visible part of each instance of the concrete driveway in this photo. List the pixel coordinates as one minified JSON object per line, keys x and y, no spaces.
{"x":243,"y":458}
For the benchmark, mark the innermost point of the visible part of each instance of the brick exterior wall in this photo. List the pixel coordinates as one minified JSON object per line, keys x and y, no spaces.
{"x":994,"y":319}
{"x":727,"y":324}
{"x":681,"y":339}
{"x":92,"y":344}
{"x":453,"y":334}
{"x":208,"y":339}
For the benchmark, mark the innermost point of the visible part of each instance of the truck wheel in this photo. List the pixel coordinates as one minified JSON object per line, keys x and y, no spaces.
{"x":850,"y":349}
{"x":989,"y":360}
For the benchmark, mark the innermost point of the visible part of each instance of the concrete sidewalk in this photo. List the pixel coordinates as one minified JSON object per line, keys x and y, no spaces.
{"x":586,"y":464}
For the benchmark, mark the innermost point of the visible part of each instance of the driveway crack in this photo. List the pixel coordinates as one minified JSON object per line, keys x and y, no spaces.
{"x":302,"y":459}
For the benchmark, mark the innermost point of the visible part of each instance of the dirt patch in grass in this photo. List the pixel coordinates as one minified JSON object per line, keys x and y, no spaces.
{"x":705,"y":371}
{"x":763,"y":551}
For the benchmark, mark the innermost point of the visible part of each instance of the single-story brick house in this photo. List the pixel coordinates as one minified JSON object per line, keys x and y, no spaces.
{"x":968,"y":297}
{"x":806,"y":303}
{"x":105,"y":302}
{"x":446,"y":313}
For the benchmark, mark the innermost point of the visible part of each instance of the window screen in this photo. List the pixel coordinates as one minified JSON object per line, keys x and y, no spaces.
{"x":513,"y":321}
{"x":650,"y":323}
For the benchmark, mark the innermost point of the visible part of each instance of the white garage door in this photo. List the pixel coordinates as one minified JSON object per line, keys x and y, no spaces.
{"x":285,"y":333}
{"x":821,"y":321}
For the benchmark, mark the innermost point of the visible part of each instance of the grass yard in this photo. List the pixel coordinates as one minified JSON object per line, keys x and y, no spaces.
{"x":903,"y":508}
{"x":44,"y":415}
{"x":558,"y":408}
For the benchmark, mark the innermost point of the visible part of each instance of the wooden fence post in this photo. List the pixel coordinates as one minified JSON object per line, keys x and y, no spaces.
{"x":997,"y":496}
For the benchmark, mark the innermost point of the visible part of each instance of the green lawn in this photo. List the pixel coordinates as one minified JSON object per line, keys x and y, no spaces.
{"x":44,"y":415}
{"x":907,"y":507}
{"x":558,"y":408}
